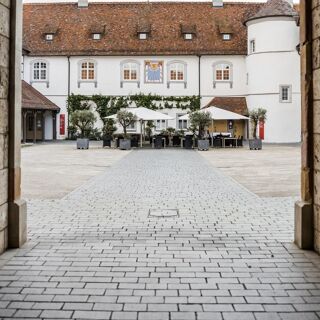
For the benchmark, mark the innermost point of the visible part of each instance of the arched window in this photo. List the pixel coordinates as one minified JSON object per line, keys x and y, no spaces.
{"x":87,"y":71}
{"x":177,"y":72}
{"x":222,"y":72}
{"x":130,"y":72}
{"x":39,"y":71}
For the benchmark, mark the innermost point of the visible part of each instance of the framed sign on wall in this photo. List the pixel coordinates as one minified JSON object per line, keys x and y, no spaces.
{"x":153,"y":71}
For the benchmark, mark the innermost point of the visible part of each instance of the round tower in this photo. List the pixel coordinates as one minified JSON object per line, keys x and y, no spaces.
{"x":273,"y":70}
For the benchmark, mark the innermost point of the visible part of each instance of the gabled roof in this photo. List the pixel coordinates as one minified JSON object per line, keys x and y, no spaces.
{"x":275,"y":8}
{"x":34,"y":100}
{"x":123,"y":20}
{"x":233,"y":104}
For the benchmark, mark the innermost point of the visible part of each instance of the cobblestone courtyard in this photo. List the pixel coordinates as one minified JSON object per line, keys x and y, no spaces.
{"x":97,"y":253}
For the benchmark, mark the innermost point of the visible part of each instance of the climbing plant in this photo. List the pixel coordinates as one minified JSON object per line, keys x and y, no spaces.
{"x":108,"y":105}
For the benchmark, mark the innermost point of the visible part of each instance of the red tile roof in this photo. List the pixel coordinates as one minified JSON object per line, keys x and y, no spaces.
{"x":233,"y":104}
{"x":165,"y":21}
{"x":33,"y":99}
{"x":275,"y":8}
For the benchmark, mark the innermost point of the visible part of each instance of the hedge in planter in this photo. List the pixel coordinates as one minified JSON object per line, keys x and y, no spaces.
{"x":256,"y":115}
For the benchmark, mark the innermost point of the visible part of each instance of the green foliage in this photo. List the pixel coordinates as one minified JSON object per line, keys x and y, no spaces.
{"x":109,"y":128}
{"x":200,"y":120}
{"x":255,"y":116}
{"x":149,"y":126}
{"x":83,"y":121}
{"x":125,"y":118}
{"x":108,"y":105}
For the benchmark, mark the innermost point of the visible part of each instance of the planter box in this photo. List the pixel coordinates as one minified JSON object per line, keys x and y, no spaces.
{"x":82,"y":143}
{"x":203,"y":145}
{"x":255,"y":144}
{"x":125,"y":144}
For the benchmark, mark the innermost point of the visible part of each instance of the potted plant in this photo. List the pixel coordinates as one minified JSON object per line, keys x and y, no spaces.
{"x":201,"y":120}
{"x":125,"y":118}
{"x":256,"y":115}
{"x":83,"y":121}
{"x":108,"y":130}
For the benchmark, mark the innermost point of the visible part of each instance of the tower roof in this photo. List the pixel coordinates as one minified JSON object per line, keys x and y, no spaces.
{"x":275,"y":8}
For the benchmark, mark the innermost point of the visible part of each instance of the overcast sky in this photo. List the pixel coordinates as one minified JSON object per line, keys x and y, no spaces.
{"x":50,"y":1}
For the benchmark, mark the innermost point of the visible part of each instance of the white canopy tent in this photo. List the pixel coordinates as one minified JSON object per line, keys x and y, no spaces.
{"x":143,"y":114}
{"x":219,"y":114}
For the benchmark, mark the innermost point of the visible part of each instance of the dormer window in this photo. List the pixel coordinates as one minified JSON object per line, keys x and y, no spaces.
{"x":49,"y":36}
{"x":96,"y":36}
{"x":143,"y":35}
{"x":188,"y":31}
{"x":143,"y":29}
{"x":49,"y":32}
{"x":226,"y":36}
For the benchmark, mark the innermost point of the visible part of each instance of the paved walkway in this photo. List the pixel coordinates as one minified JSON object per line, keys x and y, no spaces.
{"x":98,"y":254}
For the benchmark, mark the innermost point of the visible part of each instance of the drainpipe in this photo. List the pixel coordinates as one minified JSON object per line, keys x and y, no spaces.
{"x":199,"y":77}
{"x":68,"y":93}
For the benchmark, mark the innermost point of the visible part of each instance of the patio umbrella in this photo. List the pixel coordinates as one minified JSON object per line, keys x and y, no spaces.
{"x":219,"y":114}
{"x":144,"y":114}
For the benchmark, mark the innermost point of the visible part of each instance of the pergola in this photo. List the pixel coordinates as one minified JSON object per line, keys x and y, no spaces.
{"x":35,"y":107}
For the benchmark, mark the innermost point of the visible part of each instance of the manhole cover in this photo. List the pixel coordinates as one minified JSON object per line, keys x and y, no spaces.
{"x":163,"y":212}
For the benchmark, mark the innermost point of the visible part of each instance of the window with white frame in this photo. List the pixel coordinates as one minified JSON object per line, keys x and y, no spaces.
{"x":130,"y":71}
{"x":222,"y":72}
{"x":87,"y":71}
{"x":182,"y":124}
{"x":226,"y":36}
{"x":161,"y":125}
{"x":132,"y":126}
{"x":285,"y":93}
{"x":176,"y":72}
{"x":39,"y":71}
{"x":252,"y":48}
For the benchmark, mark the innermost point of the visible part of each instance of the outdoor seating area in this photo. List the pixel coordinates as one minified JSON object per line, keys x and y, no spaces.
{"x":186,"y":141}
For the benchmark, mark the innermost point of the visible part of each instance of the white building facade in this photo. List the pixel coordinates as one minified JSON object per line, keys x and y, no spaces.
{"x":260,"y":63}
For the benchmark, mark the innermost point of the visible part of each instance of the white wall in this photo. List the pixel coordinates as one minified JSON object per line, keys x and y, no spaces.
{"x":208,"y":92}
{"x":275,"y":63}
{"x":48,"y":126}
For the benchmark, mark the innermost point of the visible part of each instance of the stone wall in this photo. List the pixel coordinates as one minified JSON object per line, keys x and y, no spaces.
{"x":4,"y":119}
{"x":315,"y":15}
{"x":307,"y":211}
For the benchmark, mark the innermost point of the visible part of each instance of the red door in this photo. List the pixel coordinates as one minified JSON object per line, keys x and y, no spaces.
{"x":62,"y":124}
{"x":261,"y":130}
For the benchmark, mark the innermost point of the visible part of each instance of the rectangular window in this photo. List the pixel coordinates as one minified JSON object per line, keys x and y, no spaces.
{"x":182,"y":124}
{"x":143,"y":36}
{"x":285,"y":93}
{"x":252,"y":46}
{"x":132,"y":126}
{"x":160,"y":124}
{"x":96,"y":36}
{"x":188,"y":36}
{"x":226,"y":36}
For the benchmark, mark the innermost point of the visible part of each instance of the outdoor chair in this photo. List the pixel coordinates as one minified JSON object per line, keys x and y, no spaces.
{"x":188,"y":142}
{"x":240,"y":141}
{"x":135,"y":141}
{"x":158,"y":142}
{"x":176,"y":141}
{"x":217,"y":142}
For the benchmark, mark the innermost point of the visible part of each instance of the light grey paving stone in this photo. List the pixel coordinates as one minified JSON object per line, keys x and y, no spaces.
{"x":56,"y":314}
{"x":238,"y":316}
{"x":124,"y":315}
{"x":153,"y":315}
{"x":23,"y":313}
{"x":209,"y":316}
{"x":86,"y":315}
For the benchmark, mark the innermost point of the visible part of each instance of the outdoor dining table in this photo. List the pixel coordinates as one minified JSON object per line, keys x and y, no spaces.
{"x":228,"y":138}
